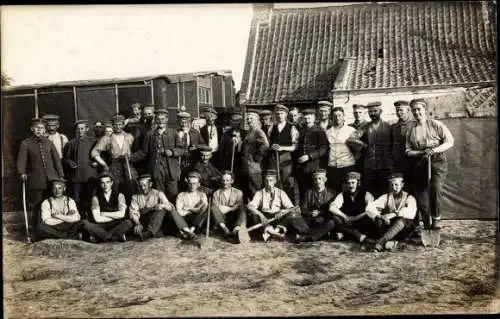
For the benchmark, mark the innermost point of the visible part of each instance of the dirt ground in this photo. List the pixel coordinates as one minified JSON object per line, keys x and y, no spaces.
{"x":167,"y":277}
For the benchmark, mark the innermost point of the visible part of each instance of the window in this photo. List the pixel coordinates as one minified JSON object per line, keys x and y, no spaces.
{"x":205,"y":95}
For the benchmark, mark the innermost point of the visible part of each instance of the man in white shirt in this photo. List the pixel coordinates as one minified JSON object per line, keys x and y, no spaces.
{"x":271,"y":201}
{"x":59,"y":140}
{"x":393,"y":213}
{"x":59,"y":215}
{"x":340,"y":158}
{"x":192,"y":205}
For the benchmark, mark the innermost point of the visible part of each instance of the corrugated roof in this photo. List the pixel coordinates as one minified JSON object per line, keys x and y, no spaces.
{"x":298,"y":54}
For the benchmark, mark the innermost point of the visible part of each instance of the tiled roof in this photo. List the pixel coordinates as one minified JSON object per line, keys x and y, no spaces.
{"x":299,"y":54}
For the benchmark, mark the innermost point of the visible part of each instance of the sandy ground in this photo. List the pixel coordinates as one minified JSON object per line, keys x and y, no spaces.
{"x":167,"y":277}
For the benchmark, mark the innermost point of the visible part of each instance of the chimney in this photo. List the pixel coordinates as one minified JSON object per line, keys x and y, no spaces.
{"x":262,"y":12}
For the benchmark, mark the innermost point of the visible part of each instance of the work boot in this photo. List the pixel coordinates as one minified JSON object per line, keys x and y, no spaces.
{"x":146,"y":235}
{"x":436,"y":223}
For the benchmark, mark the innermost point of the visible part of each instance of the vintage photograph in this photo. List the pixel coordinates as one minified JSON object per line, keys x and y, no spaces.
{"x":265,"y":159}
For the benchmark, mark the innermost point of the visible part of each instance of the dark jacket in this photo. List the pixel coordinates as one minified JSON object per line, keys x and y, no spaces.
{"x":29,"y":161}
{"x":317,"y":201}
{"x":78,"y":153}
{"x":312,"y":142}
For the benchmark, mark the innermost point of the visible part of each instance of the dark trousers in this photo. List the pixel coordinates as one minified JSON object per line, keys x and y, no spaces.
{"x":151,"y":221}
{"x":109,"y":230}
{"x":375,"y":181}
{"x":231,"y":219}
{"x":252,"y":182}
{"x":34,"y":198}
{"x":122,"y":182}
{"x":399,"y":228}
{"x":429,"y":195}
{"x":61,"y":231}
{"x":163,"y":181}
{"x":304,"y":180}
{"x":82,"y":194}
{"x":363,"y":226}
{"x":336,"y":176}
{"x":196,"y":219}
{"x":319,"y":226}
{"x":293,"y":221}
{"x":173,"y":222}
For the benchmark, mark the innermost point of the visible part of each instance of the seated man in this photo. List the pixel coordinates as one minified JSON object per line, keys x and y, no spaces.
{"x":192,"y":205}
{"x":315,"y":208}
{"x":210,"y":175}
{"x":59,"y":216}
{"x":348,"y":209}
{"x":393,"y":214}
{"x":108,"y":211}
{"x":147,"y":209}
{"x":271,"y":202}
{"x":227,"y":206}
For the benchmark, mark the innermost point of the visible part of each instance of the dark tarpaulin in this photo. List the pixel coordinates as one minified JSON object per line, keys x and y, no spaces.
{"x":96,"y":105}
{"x":471,"y":187}
{"x":61,"y":104}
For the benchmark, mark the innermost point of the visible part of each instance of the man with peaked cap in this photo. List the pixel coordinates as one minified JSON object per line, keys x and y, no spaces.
{"x":81,"y":169}
{"x":190,"y":139}
{"x":283,"y":140}
{"x":119,"y":145}
{"x":315,"y":207}
{"x":228,"y":209}
{"x":37,"y":163}
{"x":59,"y":215}
{"x":392,"y":213}
{"x":232,"y":140}
{"x":398,"y":139}
{"x":162,"y":150}
{"x":192,"y":204}
{"x":209,"y":174}
{"x":58,"y":139}
{"x":313,"y":145}
{"x":254,"y":149}
{"x":270,"y":201}
{"x":145,"y":124}
{"x":212,"y":134}
{"x":266,"y":120}
{"x":349,"y":211}
{"x":374,"y":139}
{"x":341,"y":159}
{"x":324,"y":112}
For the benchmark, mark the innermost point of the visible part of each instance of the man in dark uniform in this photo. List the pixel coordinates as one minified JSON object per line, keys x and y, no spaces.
{"x":398,"y":139}
{"x":375,"y":140}
{"x":313,"y":145}
{"x":81,"y":169}
{"x":210,"y":175}
{"x":212,"y":135}
{"x":283,"y":140}
{"x":139,"y":131}
{"x":162,"y":151}
{"x":359,"y":110}
{"x":38,"y":163}
{"x":231,"y":141}
{"x":190,"y":139}
{"x":266,"y":120}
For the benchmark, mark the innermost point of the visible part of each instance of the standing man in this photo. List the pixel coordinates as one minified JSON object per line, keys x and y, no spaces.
{"x":294,"y":117}
{"x":139,"y":131}
{"x":324,"y":111}
{"x":37,"y":163}
{"x":254,"y":149}
{"x":283,"y":140}
{"x":212,"y":135}
{"x":58,"y":139}
{"x":192,"y":204}
{"x":190,"y":139}
{"x":119,"y":145}
{"x":266,"y":120}
{"x":392,"y":213}
{"x":340,"y":158}
{"x":359,"y":113}
{"x":98,"y":130}
{"x":375,"y":141}
{"x":209,"y":174}
{"x":313,"y":144}
{"x":426,"y":142}
{"x":228,"y":210}
{"x":162,"y":150}
{"x":232,"y":141}
{"x":134,"y":118}
{"x":81,"y":169}
{"x":398,"y":137}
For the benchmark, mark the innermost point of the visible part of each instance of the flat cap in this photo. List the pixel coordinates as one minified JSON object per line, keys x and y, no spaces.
{"x":417,"y":102}
{"x":236,"y":116}
{"x":280,"y":107}
{"x":37,"y":120}
{"x":265,"y":113}
{"x":373,"y":104}
{"x":319,"y":171}
{"x":161,"y":111}
{"x":395,"y":176}
{"x":86,"y":122}
{"x":325,"y":104}
{"x":59,"y":180}
{"x":184,"y":115}
{"x":353,"y":175}
{"x":338,"y":108}
{"x":105,"y":174}
{"x":252,"y":111}
{"x":145,"y":176}
{"x":270,"y":172}
{"x":358,"y":106}
{"x":309,"y":111}
{"x":117,"y":118}
{"x":51,"y":117}
{"x":194,"y":174}
{"x":205,"y":149}
{"x":401,"y":103}
{"x":149,"y":107}
{"x":107,"y":124}
{"x":209,"y":110}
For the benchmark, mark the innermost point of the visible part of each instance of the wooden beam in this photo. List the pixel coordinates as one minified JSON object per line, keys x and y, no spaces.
{"x":117,"y":103}
{"x":75,"y":103}
{"x":36,"y":103}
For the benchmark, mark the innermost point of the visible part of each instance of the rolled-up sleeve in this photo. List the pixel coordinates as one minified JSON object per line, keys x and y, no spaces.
{"x":373,"y":208}
{"x":409,"y":211}
{"x":256,"y":201}
{"x":100,"y":146}
{"x":46,"y":214}
{"x":134,"y":207}
{"x":446,"y":137}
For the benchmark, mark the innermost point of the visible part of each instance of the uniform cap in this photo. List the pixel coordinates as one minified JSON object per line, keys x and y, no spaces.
{"x":353,"y":175}
{"x":265,"y":113}
{"x":149,"y":107}
{"x":205,"y":149}
{"x":252,"y":111}
{"x":117,"y":118}
{"x":194,"y":175}
{"x":209,"y":110}
{"x":326,"y":104}
{"x":308,"y":111}
{"x":145,"y":176}
{"x":36,"y":120}
{"x":58,"y":180}
{"x":417,"y":102}
{"x":374,"y":104}
{"x":395,"y":176}
{"x":319,"y":171}
{"x":51,"y":117}
{"x":270,"y":172}
{"x":280,"y":107}
{"x":82,"y":122}
{"x":358,"y":106}
{"x":161,"y":111}
{"x":401,"y":103}
{"x":105,"y":174}
{"x":184,"y":115}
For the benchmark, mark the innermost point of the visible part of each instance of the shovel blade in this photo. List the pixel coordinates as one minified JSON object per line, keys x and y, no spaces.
{"x":243,"y":236}
{"x":435,"y":237}
{"x":426,"y":237}
{"x":206,"y":243}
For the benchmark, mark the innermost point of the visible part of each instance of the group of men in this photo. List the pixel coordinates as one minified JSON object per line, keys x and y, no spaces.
{"x":304,"y":176}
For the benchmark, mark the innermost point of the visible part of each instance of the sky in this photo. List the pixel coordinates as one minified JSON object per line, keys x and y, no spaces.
{"x":43,"y":44}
